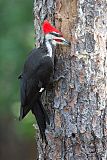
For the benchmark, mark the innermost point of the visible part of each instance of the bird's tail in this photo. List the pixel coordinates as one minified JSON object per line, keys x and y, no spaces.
{"x":23,"y":112}
{"x":40,"y":115}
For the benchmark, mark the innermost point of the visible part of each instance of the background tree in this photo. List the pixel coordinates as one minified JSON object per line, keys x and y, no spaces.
{"x":16,"y":40}
{"x":78,"y":109}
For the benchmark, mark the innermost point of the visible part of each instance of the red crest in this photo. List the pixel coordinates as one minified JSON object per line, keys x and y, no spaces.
{"x":47,"y":28}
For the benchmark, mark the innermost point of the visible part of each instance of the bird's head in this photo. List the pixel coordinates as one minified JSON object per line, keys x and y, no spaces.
{"x":53,"y":35}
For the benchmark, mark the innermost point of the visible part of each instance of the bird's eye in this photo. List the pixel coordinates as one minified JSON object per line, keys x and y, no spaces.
{"x":56,"y":34}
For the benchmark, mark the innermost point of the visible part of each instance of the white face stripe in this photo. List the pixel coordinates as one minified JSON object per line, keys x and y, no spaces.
{"x":53,"y":37}
{"x":49,"y":47}
{"x":50,"y":39}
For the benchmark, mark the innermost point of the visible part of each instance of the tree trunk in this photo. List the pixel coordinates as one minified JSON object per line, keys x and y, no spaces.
{"x":78,"y":110}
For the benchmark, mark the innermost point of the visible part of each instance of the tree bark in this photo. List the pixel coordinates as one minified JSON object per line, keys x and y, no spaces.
{"x":78,"y":103}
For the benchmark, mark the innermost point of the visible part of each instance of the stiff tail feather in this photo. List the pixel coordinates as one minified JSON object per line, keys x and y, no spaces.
{"x":41,"y":116}
{"x":23,"y":112}
{"x":38,"y":110}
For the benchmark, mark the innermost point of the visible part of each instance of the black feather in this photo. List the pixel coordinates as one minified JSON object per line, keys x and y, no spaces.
{"x":40,"y":115}
{"x":36,"y":74}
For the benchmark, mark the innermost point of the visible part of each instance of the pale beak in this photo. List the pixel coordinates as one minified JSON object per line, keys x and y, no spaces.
{"x":62,"y":40}
{"x":65,"y":42}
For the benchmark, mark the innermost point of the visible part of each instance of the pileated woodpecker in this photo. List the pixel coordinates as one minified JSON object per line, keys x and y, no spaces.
{"x":38,"y":69}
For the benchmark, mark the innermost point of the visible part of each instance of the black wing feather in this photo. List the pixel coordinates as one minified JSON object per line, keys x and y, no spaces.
{"x":36,"y":75}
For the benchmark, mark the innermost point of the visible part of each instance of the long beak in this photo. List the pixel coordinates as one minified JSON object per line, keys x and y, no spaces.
{"x":61,"y":40}
{"x":65,"y":42}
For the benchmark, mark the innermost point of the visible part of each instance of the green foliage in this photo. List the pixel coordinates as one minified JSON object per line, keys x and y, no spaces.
{"x":16,"y":40}
{"x":25,"y":127}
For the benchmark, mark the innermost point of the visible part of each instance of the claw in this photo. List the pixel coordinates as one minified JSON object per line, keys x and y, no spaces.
{"x":54,"y":81}
{"x":59,"y":78}
{"x":20,"y":76}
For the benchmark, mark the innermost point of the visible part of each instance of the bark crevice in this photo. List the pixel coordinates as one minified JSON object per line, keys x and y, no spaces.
{"x":78,"y":103}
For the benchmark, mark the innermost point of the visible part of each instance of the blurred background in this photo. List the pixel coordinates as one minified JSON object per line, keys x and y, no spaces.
{"x":17,"y":139}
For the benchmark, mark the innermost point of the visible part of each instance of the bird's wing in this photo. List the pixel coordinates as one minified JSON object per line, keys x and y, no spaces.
{"x":29,"y":87}
{"x":36,"y":79}
{"x":32,"y":82}
{"x":23,"y":87}
{"x":28,"y":91}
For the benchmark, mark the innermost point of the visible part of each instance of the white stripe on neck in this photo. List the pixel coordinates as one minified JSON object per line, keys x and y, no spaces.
{"x":49,"y":47}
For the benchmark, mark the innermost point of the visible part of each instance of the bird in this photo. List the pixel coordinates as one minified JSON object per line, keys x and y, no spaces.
{"x":36,"y":74}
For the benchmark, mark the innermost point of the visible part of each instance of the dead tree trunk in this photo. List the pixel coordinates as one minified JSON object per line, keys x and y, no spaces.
{"x":78,"y":110}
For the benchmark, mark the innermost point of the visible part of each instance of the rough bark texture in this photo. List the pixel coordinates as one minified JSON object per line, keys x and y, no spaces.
{"x":78,"y":111}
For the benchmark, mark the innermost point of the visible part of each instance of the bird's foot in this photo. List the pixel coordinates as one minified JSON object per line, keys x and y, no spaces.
{"x":20,"y":76}
{"x":55,"y":81}
{"x":58,"y":79}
